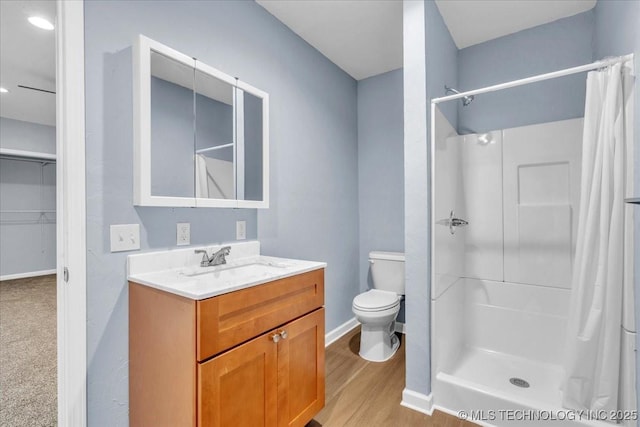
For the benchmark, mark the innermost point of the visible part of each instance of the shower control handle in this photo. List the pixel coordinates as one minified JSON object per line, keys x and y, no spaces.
{"x":457,"y":222}
{"x":452,"y":222}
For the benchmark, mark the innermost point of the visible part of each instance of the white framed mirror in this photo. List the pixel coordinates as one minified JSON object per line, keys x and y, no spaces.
{"x":201,"y":137}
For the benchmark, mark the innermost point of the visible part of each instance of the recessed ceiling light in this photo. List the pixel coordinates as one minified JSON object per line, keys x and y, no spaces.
{"x":41,"y":23}
{"x":3,"y":90}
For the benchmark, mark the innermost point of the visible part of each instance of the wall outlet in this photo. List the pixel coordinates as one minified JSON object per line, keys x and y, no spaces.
{"x":241,"y":230}
{"x":125,"y":237}
{"x":183,"y":234}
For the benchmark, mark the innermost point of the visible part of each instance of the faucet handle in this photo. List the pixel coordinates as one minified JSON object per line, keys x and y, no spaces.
{"x":221,"y":254}
{"x":205,"y":256}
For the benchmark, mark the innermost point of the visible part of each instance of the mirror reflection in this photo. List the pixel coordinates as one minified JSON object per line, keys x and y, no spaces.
{"x":214,"y":158}
{"x":250,"y":146}
{"x":172,"y":122}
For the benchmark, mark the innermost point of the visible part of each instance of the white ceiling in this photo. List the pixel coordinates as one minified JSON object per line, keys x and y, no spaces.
{"x":363,"y":37}
{"x":475,"y":21}
{"x":27,"y":57}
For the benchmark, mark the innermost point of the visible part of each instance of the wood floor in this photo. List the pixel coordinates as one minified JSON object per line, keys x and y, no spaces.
{"x":368,"y":394}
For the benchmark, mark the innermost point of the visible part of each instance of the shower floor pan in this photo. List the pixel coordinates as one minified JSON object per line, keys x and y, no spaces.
{"x":480,"y":383}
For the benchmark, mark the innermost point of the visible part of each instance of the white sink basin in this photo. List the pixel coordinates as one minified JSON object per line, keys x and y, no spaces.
{"x":178,"y":271}
{"x":237,"y":271}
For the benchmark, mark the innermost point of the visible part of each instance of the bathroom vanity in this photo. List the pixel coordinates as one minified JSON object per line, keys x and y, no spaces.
{"x":241,"y":344}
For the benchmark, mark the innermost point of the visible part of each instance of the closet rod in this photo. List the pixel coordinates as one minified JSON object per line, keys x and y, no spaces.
{"x":28,"y":211}
{"x":26,"y":159}
{"x":27,"y":221}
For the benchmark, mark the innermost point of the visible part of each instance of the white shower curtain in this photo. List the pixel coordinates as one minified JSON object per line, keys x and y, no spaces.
{"x":592,"y":367}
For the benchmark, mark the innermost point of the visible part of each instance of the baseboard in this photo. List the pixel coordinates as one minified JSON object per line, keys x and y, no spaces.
{"x":28,"y":274}
{"x":417,"y":401}
{"x":333,"y":335}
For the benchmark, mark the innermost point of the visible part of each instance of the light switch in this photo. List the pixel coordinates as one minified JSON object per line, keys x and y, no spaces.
{"x":125,"y":237}
{"x":183,"y":233}
{"x":241,"y":230}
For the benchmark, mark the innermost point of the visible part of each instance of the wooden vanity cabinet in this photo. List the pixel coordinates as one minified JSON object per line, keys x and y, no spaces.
{"x":268,"y":372}
{"x":263,"y":382}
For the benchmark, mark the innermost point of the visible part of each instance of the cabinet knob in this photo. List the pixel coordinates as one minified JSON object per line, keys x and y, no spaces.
{"x":283,"y":334}
{"x":275,"y":337}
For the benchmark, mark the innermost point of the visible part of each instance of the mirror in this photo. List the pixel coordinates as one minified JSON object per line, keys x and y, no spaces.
{"x":250,"y":146}
{"x":172,"y":122}
{"x":215,"y":146}
{"x":201,"y":136}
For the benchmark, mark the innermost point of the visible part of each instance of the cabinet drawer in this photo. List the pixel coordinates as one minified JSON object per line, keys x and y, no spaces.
{"x":227,"y":320}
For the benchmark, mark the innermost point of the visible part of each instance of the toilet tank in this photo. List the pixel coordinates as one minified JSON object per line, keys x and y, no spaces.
{"x":387,"y":271}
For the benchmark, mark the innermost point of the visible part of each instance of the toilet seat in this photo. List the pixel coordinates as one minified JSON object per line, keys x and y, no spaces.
{"x":376,"y":300}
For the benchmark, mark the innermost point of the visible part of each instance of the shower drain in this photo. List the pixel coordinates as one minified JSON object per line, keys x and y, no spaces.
{"x":519,"y":382}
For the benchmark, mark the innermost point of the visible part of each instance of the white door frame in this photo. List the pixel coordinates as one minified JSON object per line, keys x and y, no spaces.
{"x":71,"y":222}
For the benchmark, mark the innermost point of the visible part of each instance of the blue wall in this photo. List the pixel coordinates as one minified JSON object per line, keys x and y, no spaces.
{"x":380,"y":168}
{"x":617,"y":32}
{"x":28,"y":241}
{"x":27,"y":136}
{"x":313,"y":212}
{"x":555,"y":46}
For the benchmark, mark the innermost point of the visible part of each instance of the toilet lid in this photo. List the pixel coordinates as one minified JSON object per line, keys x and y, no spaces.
{"x":376,"y":300}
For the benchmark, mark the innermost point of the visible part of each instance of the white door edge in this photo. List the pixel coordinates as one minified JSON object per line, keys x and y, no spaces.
{"x":71,"y":227}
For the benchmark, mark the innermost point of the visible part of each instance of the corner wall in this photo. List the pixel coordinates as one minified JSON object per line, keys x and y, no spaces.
{"x":430,"y":62}
{"x":380,"y":169}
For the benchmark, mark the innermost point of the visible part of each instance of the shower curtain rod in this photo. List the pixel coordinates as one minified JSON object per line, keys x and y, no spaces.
{"x":540,"y":77}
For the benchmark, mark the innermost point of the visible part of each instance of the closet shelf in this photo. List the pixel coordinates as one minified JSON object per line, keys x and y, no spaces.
{"x":27,"y":221}
{"x":32,"y":156}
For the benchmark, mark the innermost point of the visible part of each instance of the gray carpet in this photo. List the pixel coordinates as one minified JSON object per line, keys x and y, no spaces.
{"x":28,"y":365}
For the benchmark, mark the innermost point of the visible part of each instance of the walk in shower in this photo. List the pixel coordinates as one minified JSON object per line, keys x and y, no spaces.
{"x":507,"y":302}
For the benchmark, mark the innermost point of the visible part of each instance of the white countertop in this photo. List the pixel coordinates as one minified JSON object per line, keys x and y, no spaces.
{"x":179,"y":272}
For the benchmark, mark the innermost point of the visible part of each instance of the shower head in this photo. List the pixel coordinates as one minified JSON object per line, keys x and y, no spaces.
{"x":466,"y":100}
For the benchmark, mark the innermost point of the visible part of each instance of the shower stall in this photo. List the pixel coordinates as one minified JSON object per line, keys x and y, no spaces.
{"x":505,"y":209}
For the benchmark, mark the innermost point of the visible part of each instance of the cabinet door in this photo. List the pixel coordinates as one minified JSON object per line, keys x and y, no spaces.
{"x":239,"y":387}
{"x":301,"y":370}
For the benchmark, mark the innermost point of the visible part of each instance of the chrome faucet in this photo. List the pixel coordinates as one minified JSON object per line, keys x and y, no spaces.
{"x":217,"y":258}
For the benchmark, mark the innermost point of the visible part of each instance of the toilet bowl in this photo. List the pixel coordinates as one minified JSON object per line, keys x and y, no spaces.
{"x":378,"y":308}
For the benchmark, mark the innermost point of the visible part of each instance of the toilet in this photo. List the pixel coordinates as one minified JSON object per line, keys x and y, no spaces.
{"x":378,"y":308}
